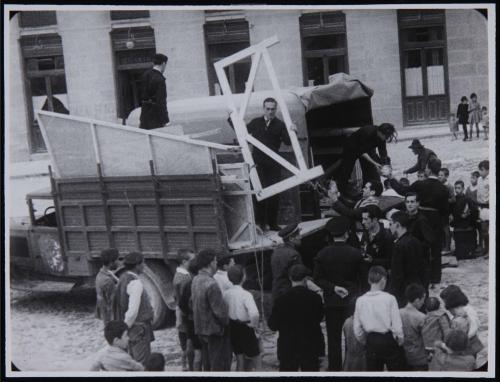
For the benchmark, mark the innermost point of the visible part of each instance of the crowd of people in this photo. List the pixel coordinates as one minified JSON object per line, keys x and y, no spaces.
{"x":372,"y":290}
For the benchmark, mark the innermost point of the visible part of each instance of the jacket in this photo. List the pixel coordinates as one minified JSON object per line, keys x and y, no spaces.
{"x":379,"y":247}
{"x":364,"y":141}
{"x":271,"y":136}
{"x":297,"y":315}
{"x":105,"y":286}
{"x":210,"y":313}
{"x":282,"y":260}
{"x":422,"y":159}
{"x":145,"y":313}
{"x":154,"y":112}
{"x":339,"y":265}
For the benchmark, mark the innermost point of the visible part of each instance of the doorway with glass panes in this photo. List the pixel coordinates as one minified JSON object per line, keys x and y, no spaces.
{"x":424,"y":66}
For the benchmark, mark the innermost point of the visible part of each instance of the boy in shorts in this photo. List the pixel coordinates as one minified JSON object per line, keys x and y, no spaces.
{"x":244,"y":321}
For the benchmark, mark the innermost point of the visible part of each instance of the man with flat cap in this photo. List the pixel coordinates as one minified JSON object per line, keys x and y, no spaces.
{"x":154,"y":113}
{"x":105,"y":285}
{"x":132,"y":306}
{"x":424,"y":155}
{"x":338,"y":270}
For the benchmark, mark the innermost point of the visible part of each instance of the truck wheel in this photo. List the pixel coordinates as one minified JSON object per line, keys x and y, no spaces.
{"x":157,"y":281}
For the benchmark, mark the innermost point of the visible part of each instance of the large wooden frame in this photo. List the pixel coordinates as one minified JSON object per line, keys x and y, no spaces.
{"x":301,"y":173}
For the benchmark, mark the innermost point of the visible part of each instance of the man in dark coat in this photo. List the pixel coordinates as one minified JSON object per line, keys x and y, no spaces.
{"x":338,"y":271}
{"x":407,"y":259}
{"x":434,"y":205}
{"x":421,"y":229}
{"x":105,"y":285}
{"x":423,"y":156}
{"x":297,"y":315}
{"x":283,"y":258}
{"x":271,"y":131}
{"x":361,"y":145}
{"x":132,"y":305}
{"x":154,"y":112}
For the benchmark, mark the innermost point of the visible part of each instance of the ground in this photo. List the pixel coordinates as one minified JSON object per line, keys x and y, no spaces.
{"x":55,"y":331}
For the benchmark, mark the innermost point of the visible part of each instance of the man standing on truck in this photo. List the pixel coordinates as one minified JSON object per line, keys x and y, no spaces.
{"x":132,"y":305}
{"x":105,"y":285}
{"x":271,"y":131}
{"x":154,"y":113}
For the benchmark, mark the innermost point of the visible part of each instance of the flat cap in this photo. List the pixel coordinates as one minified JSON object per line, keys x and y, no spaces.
{"x":338,"y":225}
{"x":133,"y":258}
{"x":289,"y":230}
{"x":298,"y":272}
{"x":415,"y":144}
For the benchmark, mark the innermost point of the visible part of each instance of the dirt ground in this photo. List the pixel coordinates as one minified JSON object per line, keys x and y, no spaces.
{"x":53,"y":331}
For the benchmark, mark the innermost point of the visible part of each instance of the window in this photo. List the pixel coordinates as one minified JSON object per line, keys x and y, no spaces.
{"x":128,"y":15}
{"x":34,"y":19}
{"x":45,"y":81}
{"x":324,"y":46}
{"x":224,"y":38}
{"x":134,"y":49}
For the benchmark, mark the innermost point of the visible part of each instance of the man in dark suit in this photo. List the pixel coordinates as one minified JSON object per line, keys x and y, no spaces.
{"x":338,"y":270}
{"x":433,"y":196}
{"x":154,"y":112}
{"x":297,"y":316}
{"x":271,"y":131}
{"x":407,"y":265}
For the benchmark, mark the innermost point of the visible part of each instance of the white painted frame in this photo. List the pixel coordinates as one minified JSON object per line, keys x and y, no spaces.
{"x":301,"y":173}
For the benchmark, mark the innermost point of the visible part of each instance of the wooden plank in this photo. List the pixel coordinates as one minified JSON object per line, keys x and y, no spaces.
{"x":96,"y":145}
{"x":273,"y":155}
{"x":249,"y":84}
{"x":48,"y":145}
{"x":289,"y":183}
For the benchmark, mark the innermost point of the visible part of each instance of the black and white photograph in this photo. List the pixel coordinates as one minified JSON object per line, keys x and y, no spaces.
{"x":249,"y":190}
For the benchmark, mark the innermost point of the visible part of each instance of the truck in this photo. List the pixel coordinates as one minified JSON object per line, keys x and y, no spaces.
{"x":183,"y":186}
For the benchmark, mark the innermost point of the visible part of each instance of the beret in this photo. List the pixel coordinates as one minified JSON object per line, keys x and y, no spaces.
{"x":289,"y":230}
{"x":133,"y":258}
{"x":338,"y":225}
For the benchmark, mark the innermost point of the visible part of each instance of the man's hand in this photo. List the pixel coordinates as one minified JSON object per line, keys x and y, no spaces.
{"x":340,"y":291}
{"x":386,"y":172}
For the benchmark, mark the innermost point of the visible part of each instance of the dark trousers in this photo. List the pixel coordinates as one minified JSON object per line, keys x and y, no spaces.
{"x":382,"y":349}
{"x":302,"y":363}
{"x":464,"y":128}
{"x":435,"y":220}
{"x":216,"y":352}
{"x":140,"y":337}
{"x":426,"y":275}
{"x":335,"y":317}
{"x":464,"y":243}
{"x":266,"y":211}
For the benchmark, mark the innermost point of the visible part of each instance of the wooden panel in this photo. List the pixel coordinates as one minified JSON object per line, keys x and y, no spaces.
{"x":203,"y":215}
{"x":71,"y":216}
{"x":120,"y":215}
{"x":432,"y":110}
{"x":146,"y":215}
{"x":420,"y":108}
{"x":75,"y":241}
{"x":174,"y":215}
{"x":150,"y":242}
{"x":94,"y":216}
{"x":98,"y":241}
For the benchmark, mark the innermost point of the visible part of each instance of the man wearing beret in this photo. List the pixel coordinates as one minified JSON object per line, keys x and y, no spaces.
{"x":154,"y":113}
{"x":338,"y":270}
{"x":132,"y":305}
{"x":105,"y":285}
{"x":424,"y":155}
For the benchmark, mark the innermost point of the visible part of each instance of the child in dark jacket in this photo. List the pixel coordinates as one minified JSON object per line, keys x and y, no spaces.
{"x":463,"y":115}
{"x":355,"y":353}
{"x":464,"y":214}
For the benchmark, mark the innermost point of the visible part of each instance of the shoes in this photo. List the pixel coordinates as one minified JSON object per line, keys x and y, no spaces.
{"x":464,"y":139}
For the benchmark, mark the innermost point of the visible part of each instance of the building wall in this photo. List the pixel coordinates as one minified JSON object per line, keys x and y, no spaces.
{"x":467,"y":36}
{"x":373,"y":53}
{"x":286,"y":56}
{"x":17,"y":122}
{"x":180,"y":35}
{"x":88,"y":59}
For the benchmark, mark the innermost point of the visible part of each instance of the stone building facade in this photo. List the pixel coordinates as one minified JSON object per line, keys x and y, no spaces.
{"x":87,"y":63}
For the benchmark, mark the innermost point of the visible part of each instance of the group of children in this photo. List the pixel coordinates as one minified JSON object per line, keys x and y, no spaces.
{"x":420,"y":336}
{"x":469,"y":114}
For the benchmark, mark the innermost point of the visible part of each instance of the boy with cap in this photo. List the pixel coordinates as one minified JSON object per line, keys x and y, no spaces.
{"x":223,"y":264}
{"x":132,"y":306}
{"x":105,"y":285}
{"x":243,"y":321}
{"x":210,"y":313}
{"x":115,"y":356}
{"x":337,"y":270}
{"x":297,"y":315}
{"x":377,"y":324}
{"x":424,"y":155}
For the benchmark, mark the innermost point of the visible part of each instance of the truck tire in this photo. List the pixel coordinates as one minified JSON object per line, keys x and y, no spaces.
{"x":157,"y":279}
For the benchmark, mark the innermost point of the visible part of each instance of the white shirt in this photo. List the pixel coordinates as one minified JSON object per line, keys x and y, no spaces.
{"x":241,"y":305}
{"x":390,"y":192}
{"x":378,"y":312}
{"x":222,"y":280}
{"x":182,"y":270}
{"x":134,"y":291}
{"x":483,"y":190}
